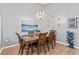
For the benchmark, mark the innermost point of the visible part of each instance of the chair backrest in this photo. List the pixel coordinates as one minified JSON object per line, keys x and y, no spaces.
{"x":53,"y":31}
{"x":19,"y":38}
{"x":42,"y":39}
{"x":51,"y":35}
{"x":31,"y":32}
{"x":37,"y":32}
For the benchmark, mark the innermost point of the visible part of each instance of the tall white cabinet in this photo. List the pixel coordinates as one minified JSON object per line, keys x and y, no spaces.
{"x":0,"y":29}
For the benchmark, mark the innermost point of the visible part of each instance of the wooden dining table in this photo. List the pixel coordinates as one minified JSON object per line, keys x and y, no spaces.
{"x":28,"y":39}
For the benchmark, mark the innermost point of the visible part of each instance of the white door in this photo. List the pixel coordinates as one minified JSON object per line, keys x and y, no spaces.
{"x":0,"y":29}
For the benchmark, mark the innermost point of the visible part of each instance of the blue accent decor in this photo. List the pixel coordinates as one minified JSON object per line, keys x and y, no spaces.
{"x":26,"y":27}
{"x":70,"y":39}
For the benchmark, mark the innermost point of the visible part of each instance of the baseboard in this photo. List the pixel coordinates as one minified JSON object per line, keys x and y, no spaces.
{"x":76,"y":47}
{"x":66,"y":44}
{"x":7,"y":47}
{"x":10,"y":46}
{"x":62,"y":43}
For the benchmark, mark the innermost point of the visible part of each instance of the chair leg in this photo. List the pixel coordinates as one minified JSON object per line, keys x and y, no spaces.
{"x":44,"y":49}
{"x":22,"y":51}
{"x":54,"y":42}
{"x":31,"y":49}
{"x":38,"y":50}
{"x":52,"y":45}
{"x":48,"y":46}
{"x":19,"y":50}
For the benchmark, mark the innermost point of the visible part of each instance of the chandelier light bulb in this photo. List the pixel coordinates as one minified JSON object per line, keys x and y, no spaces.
{"x":40,"y":14}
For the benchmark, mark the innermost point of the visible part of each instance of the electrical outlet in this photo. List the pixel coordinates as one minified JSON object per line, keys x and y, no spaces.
{"x":6,"y":40}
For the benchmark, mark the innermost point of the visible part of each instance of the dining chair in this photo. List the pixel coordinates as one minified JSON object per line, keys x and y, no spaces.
{"x":51,"y":39}
{"x":54,"y":36}
{"x":41,"y":41}
{"x":31,"y":33}
{"x":37,"y":32}
{"x":22,"y":45}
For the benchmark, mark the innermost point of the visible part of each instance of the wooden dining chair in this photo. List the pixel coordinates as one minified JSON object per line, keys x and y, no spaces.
{"x":54,"y":36}
{"x":40,"y":42}
{"x":51,"y":39}
{"x":22,"y":45}
{"x":31,"y":33}
{"x":37,"y":32}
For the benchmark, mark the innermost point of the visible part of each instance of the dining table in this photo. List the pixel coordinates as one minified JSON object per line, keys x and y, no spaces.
{"x":29,"y":39}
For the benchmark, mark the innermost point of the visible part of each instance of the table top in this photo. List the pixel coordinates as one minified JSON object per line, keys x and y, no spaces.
{"x":28,"y":38}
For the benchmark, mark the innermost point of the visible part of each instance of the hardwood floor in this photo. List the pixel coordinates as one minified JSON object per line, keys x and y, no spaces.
{"x":58,"y":50}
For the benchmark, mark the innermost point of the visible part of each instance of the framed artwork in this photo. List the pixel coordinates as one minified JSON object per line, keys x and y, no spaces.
{"x":72,"y":22}
{"x":27,"y":27}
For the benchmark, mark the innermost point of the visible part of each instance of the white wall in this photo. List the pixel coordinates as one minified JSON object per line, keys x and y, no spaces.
{"x":63,"y":11}
{"x":0,"y":29}
{"x":11,"y":16}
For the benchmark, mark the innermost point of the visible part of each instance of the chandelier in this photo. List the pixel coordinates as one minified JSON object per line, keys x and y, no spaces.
{"x":40,"y":15}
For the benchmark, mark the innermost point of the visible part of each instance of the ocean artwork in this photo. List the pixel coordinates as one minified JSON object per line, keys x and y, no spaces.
{"x":26,"y":27}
